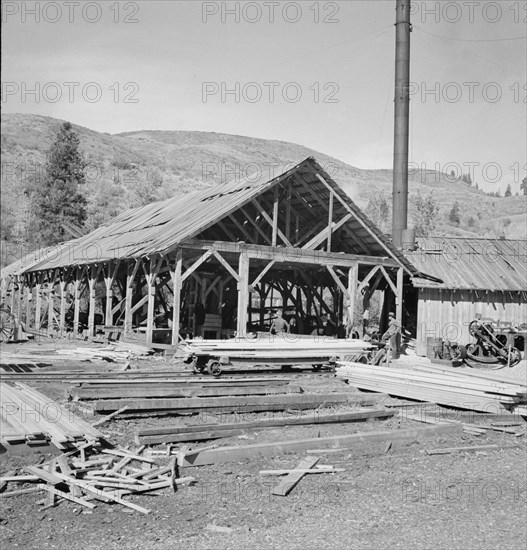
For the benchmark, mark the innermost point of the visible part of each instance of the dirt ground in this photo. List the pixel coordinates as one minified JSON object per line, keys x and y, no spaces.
{"x":399,"y":497}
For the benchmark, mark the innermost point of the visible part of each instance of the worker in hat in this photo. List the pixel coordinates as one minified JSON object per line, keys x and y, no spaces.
{"x":391,"y":336}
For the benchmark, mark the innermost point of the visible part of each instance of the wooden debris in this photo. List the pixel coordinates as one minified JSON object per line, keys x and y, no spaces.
{"x":293,"y":477}
{"x":317,"y":470}
{"x":110,"y":416}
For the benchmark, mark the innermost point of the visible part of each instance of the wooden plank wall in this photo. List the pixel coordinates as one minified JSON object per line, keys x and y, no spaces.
{"x":447,"y":313}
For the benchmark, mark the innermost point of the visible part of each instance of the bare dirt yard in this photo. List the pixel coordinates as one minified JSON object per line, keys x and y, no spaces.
{"x":388,"y":496}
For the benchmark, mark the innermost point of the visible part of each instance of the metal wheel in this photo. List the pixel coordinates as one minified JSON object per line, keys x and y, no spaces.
{"x":317,"y":367}
{"x":478,"y":353}
{"x":7,"y":325}
{"x":516,"y":357}
{"x":214,"y":368}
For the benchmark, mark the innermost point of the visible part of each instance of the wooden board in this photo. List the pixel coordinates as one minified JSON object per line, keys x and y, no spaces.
{"x":290,"y":481}
{"x":234,"y":454}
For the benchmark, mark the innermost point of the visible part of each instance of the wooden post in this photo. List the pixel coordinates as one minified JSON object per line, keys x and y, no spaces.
{"x":91,"y":312}
{"x":399,"y":297}
{"x":353,"y":277}
{"x":77,"y":303}
{"x":275,"y":217}
{"x":243,"y":294}
{"x":108,"y":282}
{"x":38,"y":306}
{"x":330,"y":220}
{"x":131,"y":272}
{"x":151,"y":291}
{"x":20,"y":298}
{"x":62,"y":318}
{"x":288,"y":212}
{"x":29,"y":295}
{"x":176,"y":305}
{"x":51,"y":303}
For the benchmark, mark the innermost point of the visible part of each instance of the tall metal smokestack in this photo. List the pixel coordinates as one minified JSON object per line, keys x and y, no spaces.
{"x":401,"y":123}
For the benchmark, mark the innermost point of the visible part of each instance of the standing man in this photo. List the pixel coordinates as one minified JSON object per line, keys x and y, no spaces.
{"x":391,"y":336}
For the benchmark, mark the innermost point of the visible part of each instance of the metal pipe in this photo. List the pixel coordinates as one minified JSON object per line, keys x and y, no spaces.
{"x":401,"y":121}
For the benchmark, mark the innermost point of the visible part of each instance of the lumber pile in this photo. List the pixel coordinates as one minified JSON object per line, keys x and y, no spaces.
{"x":32,"y":415}
{"x":287,"y":348}
{"x":446,"y":386}
{"x":201,"y":432}
{"x":179,"y":388}
{"x":90,"y":474}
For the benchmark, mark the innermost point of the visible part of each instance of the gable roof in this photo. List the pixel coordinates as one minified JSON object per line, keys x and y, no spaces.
{"x":159,"y":227}
{"x":471,"y":264}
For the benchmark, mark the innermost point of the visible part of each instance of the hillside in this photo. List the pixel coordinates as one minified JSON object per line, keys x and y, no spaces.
{"x":130,"y":169}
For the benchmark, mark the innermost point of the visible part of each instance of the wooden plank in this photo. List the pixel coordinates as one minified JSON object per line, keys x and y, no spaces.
{"x":110,"y":416}
{"x":49,"y":477}
{"x":155,"y":435}
{"x":222,"y":402}
{"x":292,"y":479}
{"x":67,"y":496}
{"x":317,"y":470}
{"x":237,"y":453}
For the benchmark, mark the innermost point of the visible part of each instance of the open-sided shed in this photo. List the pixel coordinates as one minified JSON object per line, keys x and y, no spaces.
{"x":216,"y":254}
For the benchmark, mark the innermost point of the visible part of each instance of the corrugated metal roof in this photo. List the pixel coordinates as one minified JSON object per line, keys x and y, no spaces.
{"x":472,"y":264}
{"x":160,"y":226}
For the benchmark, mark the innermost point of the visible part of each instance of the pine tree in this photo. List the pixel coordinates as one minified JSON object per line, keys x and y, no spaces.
{"x":523,"y":186}
{"x":59,"y":198}
{"x":454,"y":214}
{"x":508,"y":191}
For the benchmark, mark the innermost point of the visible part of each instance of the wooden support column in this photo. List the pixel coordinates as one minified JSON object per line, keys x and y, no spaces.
{"x":20,"y":298}
{"x":399,"y":297}
{"x":38,"y":305}
{"x":128,"y":314}
{"x":275,"y":217}
{"x":151,"y":293}
{"x":353,"y":277}
{"x":108,"y":281}
{"x":51,"y":303}
{"x":176,"y":305}
{"x":62,"y":317}
{"x":29,"y":296}
{"x":91,"y":312}
{"x":77,"y":301}
{"x":243,"y":294}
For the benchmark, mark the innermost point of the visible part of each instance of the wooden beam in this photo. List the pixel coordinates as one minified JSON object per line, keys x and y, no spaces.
{"x":243,"y":295}
{"x":76,"y":302}
{"x":202,"y":259}
{"x":176,"y":304}
{"x":255,"y":225}
{"x":353,"y":277}
{"x":275,"y":217}
{"x":262,"y":273}
{"x":225,"y":264}
{"x":287,"y":484}
{"x":365,"y":440}
{"x":388,"y":279}
{"x":366,"y":279}
{"x":62,"y":316}
{"x":323,"y":235}
{"x":91,"y":311}
{"x":270,"y":222}
{"x":330,"y":221}
{"x":38,"y":305}
{"x":240,"y":227}
{"x":109,"y":280}
{"x":128,"y":313}
{"x":336,"y":278}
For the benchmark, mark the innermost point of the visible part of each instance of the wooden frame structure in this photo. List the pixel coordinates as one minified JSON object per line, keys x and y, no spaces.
{"x":223,"y":250}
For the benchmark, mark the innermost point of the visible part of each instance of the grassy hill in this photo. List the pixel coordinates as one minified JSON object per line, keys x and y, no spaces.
{"x":133,"y":168}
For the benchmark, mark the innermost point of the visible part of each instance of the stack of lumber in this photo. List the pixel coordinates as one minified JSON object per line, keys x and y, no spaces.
{"x":238,"y":404}
{"x":88,"y":474}
{"x":446,"y":386}
{"x":117,"y":352}
{"x":181,"y":389}
{"x":202,"y":432}
{"x":29,"y":412}
{"x":283,"y":349}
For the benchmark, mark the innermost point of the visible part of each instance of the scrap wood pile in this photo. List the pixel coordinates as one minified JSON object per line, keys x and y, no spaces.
{"x":34,"y":419}
{"x":90,"y":474}
{"x":117,"y":352}
{"x":446,"y":386}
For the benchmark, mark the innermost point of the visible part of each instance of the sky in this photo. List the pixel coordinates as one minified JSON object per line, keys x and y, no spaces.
{"x":315,"y":73}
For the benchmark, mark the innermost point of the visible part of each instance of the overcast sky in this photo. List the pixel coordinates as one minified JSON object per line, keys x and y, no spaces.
{"x":315,"y":73}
